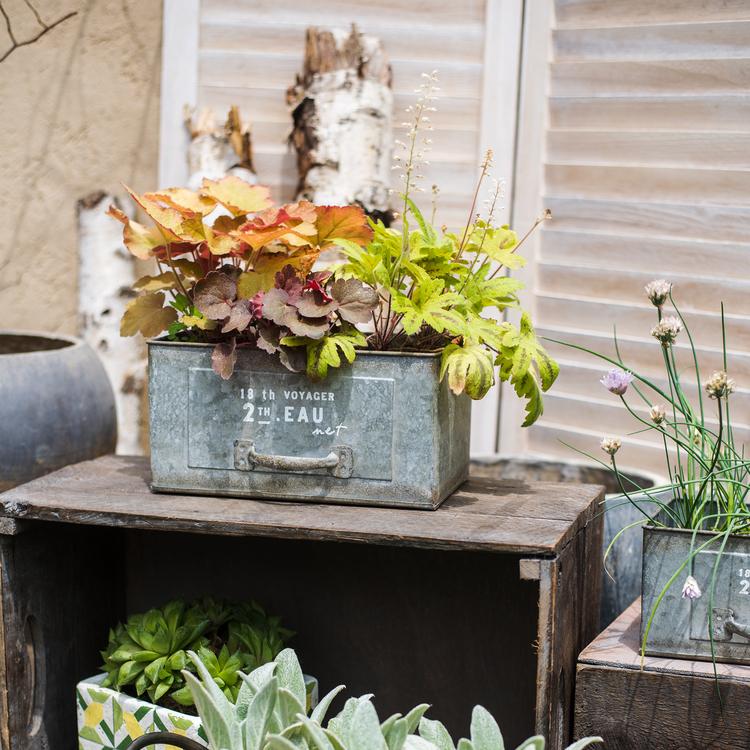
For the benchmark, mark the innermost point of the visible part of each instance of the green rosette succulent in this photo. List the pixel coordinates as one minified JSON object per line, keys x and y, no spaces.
{"x":148,"y":654}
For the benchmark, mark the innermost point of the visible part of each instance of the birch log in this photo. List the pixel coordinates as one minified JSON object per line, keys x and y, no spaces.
{"x":106,"y":273}
{"x":342,"y":112}
{"x":215,"y":152}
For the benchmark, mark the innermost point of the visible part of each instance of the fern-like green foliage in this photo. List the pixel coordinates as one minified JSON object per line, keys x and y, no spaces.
{"x":148,"y":653}
{"x":448,"y":291}
{"x":270,"y":713}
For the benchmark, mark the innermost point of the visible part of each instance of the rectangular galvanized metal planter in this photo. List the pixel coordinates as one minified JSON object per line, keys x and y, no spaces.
{"x":383,"y":431}
{"x":683,"y":627}
{"x":110,"y":719}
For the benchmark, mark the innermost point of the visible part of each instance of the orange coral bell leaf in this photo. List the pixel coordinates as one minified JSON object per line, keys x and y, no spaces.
{"x":183,"y":200}
{"x":236,"y":195}
{"x":341,"y":222}
{"x":143,"y":242}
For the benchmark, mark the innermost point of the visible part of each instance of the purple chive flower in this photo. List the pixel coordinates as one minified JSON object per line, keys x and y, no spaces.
{"x":691,"y":589}
{"x":617,"y":381}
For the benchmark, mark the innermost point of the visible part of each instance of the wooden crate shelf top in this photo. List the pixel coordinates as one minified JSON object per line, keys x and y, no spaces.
{"x":618,"y":647}
{"x":535,"y":518}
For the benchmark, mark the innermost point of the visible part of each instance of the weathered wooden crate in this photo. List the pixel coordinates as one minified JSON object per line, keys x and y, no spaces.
{"x":487,"y":600}
{"x":662,"y":703}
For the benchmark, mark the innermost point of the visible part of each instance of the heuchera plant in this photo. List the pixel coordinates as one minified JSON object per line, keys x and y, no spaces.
{"x":237,"y":272}
{"x":244,"y":278}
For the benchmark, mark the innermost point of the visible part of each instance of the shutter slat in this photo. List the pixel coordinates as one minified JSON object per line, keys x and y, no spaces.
{"x":659,"y":42}
{"x":657,"y":258}
{"x":668,"y":149}
{"x":591,"y":13}
{"x":711,"y":112}
{"x":615,"y":78}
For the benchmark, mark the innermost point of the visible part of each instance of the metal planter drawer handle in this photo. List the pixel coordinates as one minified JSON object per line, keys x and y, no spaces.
{"x":339,"y":462}
{"x":725,"y":626}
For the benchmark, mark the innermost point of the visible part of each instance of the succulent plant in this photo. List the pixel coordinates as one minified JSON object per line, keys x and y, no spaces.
{"x":148,"y":653}
{"x":269,"y":714}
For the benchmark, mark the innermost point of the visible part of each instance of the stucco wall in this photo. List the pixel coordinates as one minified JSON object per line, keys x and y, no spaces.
{"x":80,"y":112}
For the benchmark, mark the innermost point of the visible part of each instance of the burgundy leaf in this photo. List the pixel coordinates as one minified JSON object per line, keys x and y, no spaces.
{"x":312,"y":305}
{"x":224,"y":357}
{"x":356,"y":300}
{"x":215,"y":294}
{"x":240,"y":317}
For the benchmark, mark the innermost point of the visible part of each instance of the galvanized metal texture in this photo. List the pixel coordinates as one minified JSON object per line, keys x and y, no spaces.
{"x":383,"y":431}
{"x":684,"y":627}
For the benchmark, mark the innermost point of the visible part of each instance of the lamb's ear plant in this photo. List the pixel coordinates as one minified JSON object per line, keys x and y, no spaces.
{"x":485,"y":734}
{"x":269,"y":714}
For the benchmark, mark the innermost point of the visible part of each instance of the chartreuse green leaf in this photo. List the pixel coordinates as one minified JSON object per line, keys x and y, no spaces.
{"x":469,"y":368}
{"x":528,"y":367}
{"x":499,"y":292}
{"x":326,"y":352}
{"x":429,"y":305}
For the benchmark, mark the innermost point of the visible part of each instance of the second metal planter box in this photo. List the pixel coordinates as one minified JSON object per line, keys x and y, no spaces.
{"x":681,"y":626}
{"x":383,"y":431}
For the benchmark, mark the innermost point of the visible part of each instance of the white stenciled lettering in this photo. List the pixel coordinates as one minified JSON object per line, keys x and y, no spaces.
{"x":302,"y":416}
{"x":288,"y":417}
{"x":250,"y":408}
{"x":317,"y":414}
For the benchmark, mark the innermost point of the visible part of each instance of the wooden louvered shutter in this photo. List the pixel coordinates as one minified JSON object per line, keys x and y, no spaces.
{"x":634,"y":130}
{"x":223,"y":52}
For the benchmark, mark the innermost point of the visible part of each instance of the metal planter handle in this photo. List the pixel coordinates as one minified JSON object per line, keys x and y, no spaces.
{"x":165,"y":738}
{"x":339,"y":462}
{"x":725,"y":626}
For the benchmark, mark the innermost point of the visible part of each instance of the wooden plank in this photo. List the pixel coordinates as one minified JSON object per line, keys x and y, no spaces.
{"x":452,"y":44}
{"x":569,"y":593}
{"x":497,"y":131}
{"x":179,"y":87}
{"x":278,"y":71}
{"x":338,"y":12}
{"x":550,"y":439}
{"x":715,"y":113}
{"x":682,"y":149}
{"x":671,"y":704}
{"x":610,"y":417}
{"x":635,"y":319}
{"x":670,"y":41}
{"x":113,"y":491}
{"x":643,"y":354}
{"x":57,"y":604}
{"x":582,"y":381}
{"x":663,"y":257}
{"x":612,"y":283}
{"x":635,"y":78}
{"x":638,"y":217}
{"x":658,"y":184}
{"x":594,"y":13}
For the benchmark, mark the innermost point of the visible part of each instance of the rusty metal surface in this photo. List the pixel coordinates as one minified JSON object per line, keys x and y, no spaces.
{"x":681,"y":625}
{"x":401,"y":437}
{"x":56,"y":405}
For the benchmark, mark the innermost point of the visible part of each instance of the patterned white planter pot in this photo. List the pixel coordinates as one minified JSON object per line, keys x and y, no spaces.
{"x":111,"y":720}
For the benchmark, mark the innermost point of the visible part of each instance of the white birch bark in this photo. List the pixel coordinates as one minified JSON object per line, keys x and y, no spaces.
{"x":216,"y":151}
{"x":106,"y":273}
{"x":342,"y":111}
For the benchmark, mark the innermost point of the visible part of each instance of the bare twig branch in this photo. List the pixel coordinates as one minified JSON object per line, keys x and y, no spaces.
{"x":15,"y":44}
